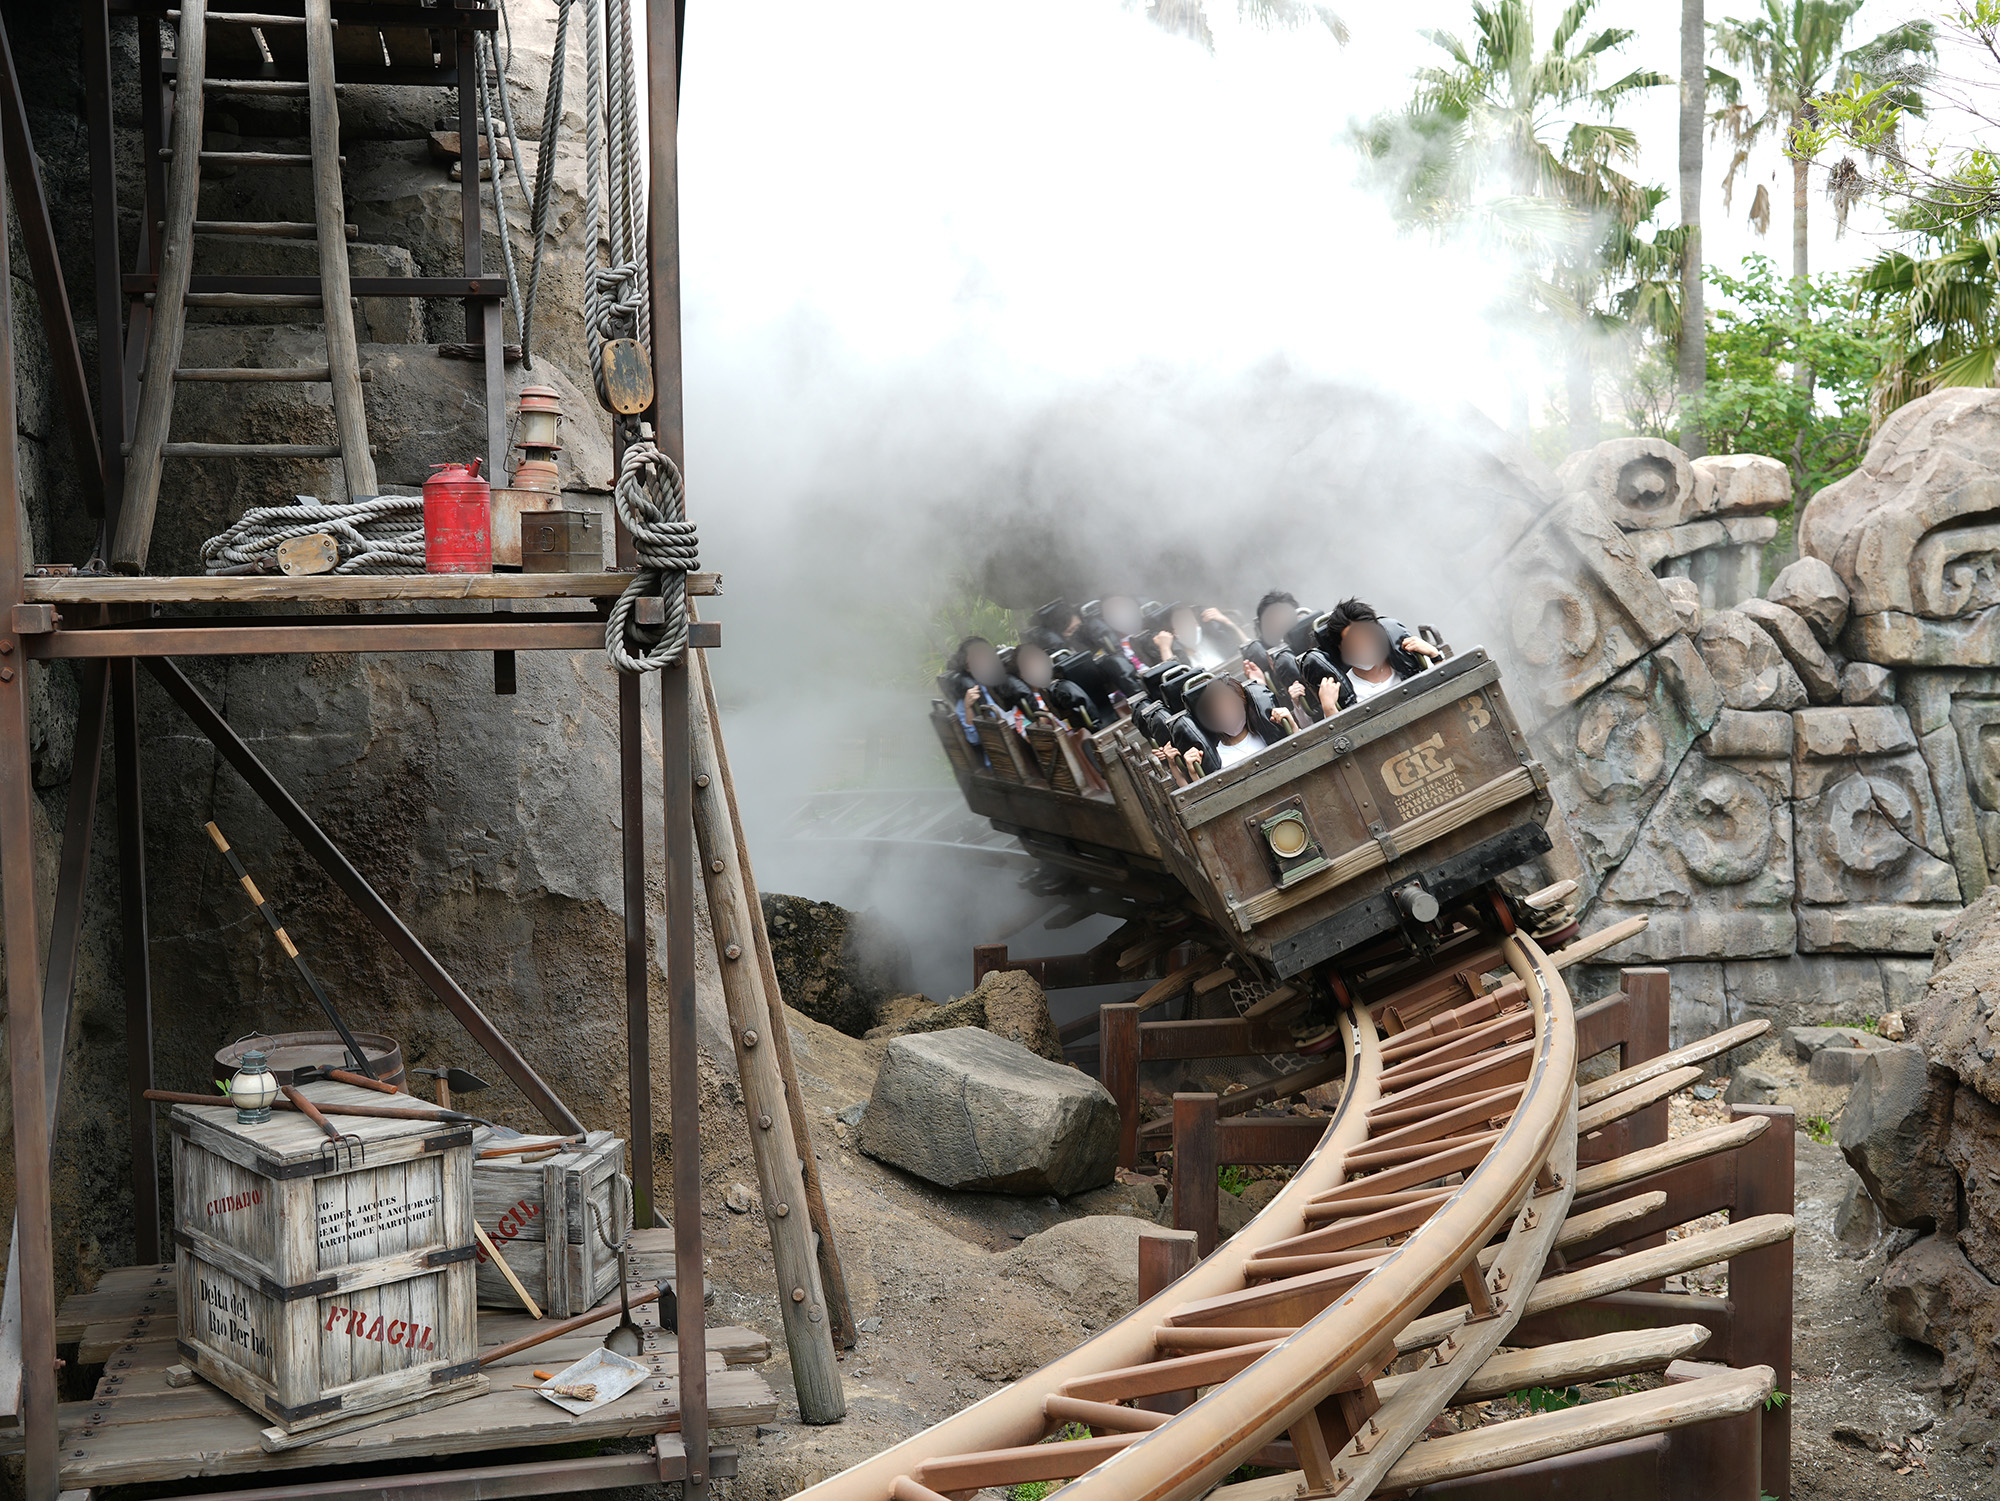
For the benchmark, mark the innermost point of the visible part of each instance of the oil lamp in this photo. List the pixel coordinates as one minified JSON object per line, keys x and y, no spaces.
{"x":252,"y":1089}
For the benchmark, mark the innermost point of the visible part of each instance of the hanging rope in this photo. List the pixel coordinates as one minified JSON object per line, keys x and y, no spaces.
{"x":377,"y":534}
{"x":483,"y":59}
{"x":545,"y":178}
{"x":651,"y":503}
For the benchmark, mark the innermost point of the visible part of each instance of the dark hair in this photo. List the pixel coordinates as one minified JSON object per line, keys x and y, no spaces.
{"x":1352,"y":612}
{"x":1275,"y":597}
{"x":956,"y":663}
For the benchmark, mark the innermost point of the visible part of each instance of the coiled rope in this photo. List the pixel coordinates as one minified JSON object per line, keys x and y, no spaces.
{"x":377,"y":534}
{"x":649,"y":494}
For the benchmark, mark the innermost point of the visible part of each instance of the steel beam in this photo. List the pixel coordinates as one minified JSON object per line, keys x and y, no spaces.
{"x":364,"y":896}
{"x":1196,"y":1205}
{"x":638,"y":1003}
{"x":95,"y":61}
{"x":540,"y":1477}
{"x":1118,"y":1071}
{"x":72,"y":876}
{"x":22,"y":930}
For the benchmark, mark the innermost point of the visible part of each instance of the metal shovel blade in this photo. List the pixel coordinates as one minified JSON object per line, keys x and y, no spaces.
{"x":626,"y":1338}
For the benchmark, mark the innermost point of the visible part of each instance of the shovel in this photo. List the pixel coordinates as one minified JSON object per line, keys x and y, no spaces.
{"x":625,"y":1338}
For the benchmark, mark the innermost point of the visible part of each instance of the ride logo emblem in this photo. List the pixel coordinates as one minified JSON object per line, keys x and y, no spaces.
{"x":1421,"y":778}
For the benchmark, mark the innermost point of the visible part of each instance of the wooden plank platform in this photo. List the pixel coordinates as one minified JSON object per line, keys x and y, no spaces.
{"x":328,"y":588}
{"x":137,"y":1429}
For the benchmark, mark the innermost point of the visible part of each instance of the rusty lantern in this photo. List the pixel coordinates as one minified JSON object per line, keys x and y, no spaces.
{"x":535,"y":436}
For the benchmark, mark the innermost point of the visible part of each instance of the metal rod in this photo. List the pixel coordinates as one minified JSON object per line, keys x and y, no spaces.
{"x":22,"y":930}
{"x":638,"y":1005}
{"x":135,"y":958}
{"x":364,"y":896}
{"x":270,"y":916}
{"x":482,"y":634}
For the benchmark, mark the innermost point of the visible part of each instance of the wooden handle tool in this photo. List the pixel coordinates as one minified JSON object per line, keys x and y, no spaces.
{"x":521,"y":1292}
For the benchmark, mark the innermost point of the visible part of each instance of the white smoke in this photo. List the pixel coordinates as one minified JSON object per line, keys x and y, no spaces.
{"x":1039,"y":294}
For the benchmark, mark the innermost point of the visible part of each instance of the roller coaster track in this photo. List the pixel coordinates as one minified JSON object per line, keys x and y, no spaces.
{"x":1429,"y":1220}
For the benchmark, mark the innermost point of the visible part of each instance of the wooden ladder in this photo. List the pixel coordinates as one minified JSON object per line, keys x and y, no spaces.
{"x":172,"y":299}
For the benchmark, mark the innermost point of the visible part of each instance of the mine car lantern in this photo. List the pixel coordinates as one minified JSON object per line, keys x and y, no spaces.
{"x":252,"y":1089}
{"x":1295,"y":853}
{"x":458,"y":520}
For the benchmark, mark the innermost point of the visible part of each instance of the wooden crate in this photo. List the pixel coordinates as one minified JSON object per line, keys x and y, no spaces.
{"x":527,"y":1208}
{"x":314,"y":1289}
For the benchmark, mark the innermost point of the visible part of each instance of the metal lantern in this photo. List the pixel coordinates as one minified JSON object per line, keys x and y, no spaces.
{"x":535,"y":437}
{"x":253,"y":1089}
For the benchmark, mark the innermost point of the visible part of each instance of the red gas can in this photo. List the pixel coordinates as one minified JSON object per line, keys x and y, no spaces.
{"x":458,"y":520}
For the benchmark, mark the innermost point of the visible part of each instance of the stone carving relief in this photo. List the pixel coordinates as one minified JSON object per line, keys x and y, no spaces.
{"x":1872,"y":855}
{"x":1579,"y":607}
{"x":1712,"y":868}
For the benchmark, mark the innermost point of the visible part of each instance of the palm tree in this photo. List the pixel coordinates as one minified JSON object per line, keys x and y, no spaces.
{"x":1793,"y":53}
{"x":1943,"y":315}
{"x":1189,"y":18}
{"x":1518,"y":146}
{"x":1692,"y":353}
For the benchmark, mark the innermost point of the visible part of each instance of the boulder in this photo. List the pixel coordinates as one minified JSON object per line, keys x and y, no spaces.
{"x":1640,"y":483}
{"x":1752,"y":1086}
{"x":1863,"y":683}
{"x":1960,"y":1023}
{"x":1801,"y":648}
{"x":1008,"y":1003}
{"x":1840,"y":1066}
{"x":834,"y":966}
{"x":894,"y":1015}
{"x":1802,"y":1042}
{"x":1891,"y":1133}
{"x":1812,"y":590}
{"x":1685,"y":596}
{"x":1090,"y":1265}
{"x":1747,"y":665}
{"x":1858,"y":1224}
{"x":967,"y":1110}
{"x":1933,"y":1295}
{"x":1742,"y":484}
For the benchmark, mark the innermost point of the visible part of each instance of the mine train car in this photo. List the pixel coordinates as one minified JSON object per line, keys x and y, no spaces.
{"x":1370,"y":823}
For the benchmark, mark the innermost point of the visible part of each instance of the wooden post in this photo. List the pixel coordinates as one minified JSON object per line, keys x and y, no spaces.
{"x":1720,"y":1460}
{"x":1760,"y":1282}
{"x":1118,"y":1071}
{"x":1197,"y":1134}
{"x":134,"y":535}
{"x":1165,"y":1256}
{"x":780,"y":1172}
{"x":833,"y":1281}
{"x":343,"y":355}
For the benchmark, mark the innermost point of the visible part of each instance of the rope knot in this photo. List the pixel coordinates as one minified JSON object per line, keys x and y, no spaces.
{"x":651,"y":499}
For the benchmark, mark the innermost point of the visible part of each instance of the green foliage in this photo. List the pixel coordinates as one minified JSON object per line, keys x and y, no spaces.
{"x":1548,"y":1399}
{"x":1940,"y":308}
{"x":1820,"y":1129}
{"x":1232,"y":1179}
{"x":1759,"y":340}
{"x":1036,"y":1490}
{"x":1776,"y":1400}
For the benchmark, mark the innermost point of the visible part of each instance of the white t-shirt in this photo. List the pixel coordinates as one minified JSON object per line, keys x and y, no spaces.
{"x":1365,"y":690}
{"x":1242,"y":750}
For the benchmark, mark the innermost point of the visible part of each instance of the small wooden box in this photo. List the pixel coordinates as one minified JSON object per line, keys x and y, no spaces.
{"x":527,"y":1208}
{"x":314,"y":1289}
{"x":562,"y":542}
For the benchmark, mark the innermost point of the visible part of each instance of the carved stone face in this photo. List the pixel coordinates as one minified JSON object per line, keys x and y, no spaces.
{"x":1621,"y":751}
{"x":1647,"y":483}
{"x":1867,"y":818}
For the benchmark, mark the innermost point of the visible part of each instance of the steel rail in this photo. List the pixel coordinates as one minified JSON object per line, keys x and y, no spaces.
{"x":1237,"y":1417}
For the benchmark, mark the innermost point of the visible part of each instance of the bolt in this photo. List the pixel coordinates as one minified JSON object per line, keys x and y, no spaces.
{"x":749,"y":1039}
{"x":6,"y":674}
{"x":701,"y":780}
{"x":6,"y":647}
{"x":764,"y":1121}
{"x":734,"y":951}
{"x":716,"y":866}
{"x":783,"y":1210}
{"x":798,"y":1295}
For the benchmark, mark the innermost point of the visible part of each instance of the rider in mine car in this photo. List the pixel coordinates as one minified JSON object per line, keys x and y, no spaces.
{"x":976,"y":679}
{"x":1234,"y":720}
{"x":1362,"y":654}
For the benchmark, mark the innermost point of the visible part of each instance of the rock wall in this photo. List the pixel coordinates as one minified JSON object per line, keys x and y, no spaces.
{"x":1797,"y":788}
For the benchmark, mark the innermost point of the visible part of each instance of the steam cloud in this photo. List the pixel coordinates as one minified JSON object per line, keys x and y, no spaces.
{"x":1045,"y":298}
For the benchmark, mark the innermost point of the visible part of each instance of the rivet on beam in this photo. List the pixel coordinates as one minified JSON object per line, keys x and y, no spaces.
{"x":701,"y":779}
{"x":749,"y":1039}
{"x":735,"y":951}
{"x":716,"y":866}
{"x":798,"y":1295}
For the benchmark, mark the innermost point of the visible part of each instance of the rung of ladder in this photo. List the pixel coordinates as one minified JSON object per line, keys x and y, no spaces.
{"x":287,"y":373}
{"x":253,"y":158}
{"x":247,"y":450}
{"x":275,"y":229}
{"x":249,"y":299}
